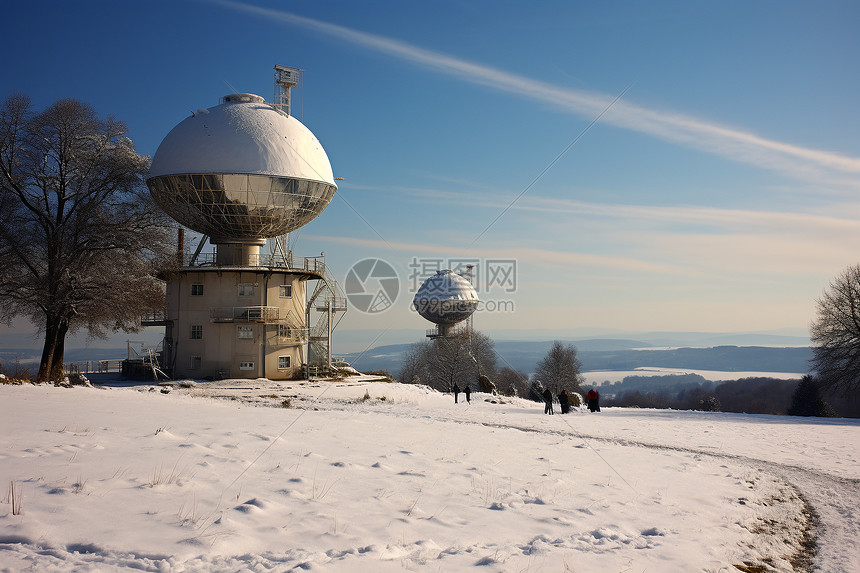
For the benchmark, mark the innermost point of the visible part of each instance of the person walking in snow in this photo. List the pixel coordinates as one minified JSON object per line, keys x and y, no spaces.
{"x":547,"y":397}
{"x":456,"y":391}
{"x":468,"y":391}
{"x":593,"y":398}
{"x":563,"y":401}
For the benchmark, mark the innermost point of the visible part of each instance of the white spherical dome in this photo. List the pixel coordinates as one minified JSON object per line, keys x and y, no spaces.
{"x":241,"y":169}
{"x":446,"y":298}
{"x":242,"y":135}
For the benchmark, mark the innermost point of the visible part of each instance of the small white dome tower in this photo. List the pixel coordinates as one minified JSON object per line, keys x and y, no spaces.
{"x":446,"y":299}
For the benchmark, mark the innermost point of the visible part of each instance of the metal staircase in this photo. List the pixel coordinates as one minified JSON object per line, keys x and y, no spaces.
{"x":329,"y":300}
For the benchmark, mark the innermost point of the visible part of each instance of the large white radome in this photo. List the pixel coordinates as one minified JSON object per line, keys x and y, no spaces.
{"x":241,"y":170}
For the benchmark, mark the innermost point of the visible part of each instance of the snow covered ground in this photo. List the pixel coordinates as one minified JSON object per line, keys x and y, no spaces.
{"x":370,"y":476}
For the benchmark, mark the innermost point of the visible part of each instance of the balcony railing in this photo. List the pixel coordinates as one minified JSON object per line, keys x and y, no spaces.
{"x":459,"y":329}
{"x":311,"y":264}
{"x":295,"y":336}
{"x":264,"y":314}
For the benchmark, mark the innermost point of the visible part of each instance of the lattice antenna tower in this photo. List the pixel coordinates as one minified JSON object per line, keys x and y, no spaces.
{"x":286,"y":78}
{"x":468,"y":276}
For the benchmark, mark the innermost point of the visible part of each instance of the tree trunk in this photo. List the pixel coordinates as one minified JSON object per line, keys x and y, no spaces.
{"x":51,"y":366}
{"x":57,"y":373}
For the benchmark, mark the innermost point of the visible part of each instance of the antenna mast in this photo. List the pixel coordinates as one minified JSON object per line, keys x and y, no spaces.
{"x":285,"y":78}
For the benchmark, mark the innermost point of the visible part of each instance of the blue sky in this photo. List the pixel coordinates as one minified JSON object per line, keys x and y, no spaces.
{"x":719,"y":192}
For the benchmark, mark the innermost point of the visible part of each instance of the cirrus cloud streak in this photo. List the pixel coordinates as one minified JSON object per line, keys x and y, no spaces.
{"x":737,"y":144}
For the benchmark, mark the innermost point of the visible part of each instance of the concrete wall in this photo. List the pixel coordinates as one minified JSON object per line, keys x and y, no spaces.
{"x":206,"y":340}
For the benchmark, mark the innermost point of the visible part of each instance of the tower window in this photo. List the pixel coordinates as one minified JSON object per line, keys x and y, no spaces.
{"x":196,"y":362}
{"x":197,"y":290}
{"x":245,"y":332}
{"x":283,"y":362}
{"x":246,"y":366}
{"x":246,"y":289}
{"x":286,"y":291}
{"x":196,"y":331}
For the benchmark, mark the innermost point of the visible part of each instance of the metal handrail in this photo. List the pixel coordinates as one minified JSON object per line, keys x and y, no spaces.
{"x":266,"y":314}
{"x":337,"y":303}
{"x":263,"y":260}
{"x":297,"y":336}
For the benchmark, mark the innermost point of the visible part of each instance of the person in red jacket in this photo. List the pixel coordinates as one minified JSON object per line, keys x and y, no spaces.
{"x":593,"y":398}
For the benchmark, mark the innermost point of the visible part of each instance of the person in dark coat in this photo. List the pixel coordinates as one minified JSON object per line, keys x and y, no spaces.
{"x":468,"y":391}
{"x":547,"y":397}
{"x":596,"y":401}
{"x":563,"y":401}
{"x":456,"y":391}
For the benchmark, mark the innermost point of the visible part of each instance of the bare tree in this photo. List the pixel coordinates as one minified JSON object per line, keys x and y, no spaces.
{"x":510,"y":382}
{"x":414,"y":368}
{"x":559,"y":369}
{"x":835,"y":333}
{"x":80,"y":237}
{"x":459,"y":359}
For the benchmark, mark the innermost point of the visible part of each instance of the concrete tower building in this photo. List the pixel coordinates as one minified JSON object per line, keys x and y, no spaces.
{"x":242,"y":173}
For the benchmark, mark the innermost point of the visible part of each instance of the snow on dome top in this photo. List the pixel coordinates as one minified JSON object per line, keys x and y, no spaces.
{"x":243,"y":135}
{"x":446,"y":285}
{"x":243,"y":98}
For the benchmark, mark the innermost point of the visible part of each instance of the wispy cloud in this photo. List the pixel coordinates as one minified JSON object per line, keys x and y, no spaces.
{"x":730,"y":142}
{"x":690,"y":241}
{"x":846,"y":222}
{"x":545,"y":257}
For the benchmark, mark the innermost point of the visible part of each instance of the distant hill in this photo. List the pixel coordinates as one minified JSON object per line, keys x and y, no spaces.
{"x":760,"y":352}
{"x":617,"y":354}
{"x":726,"y":358}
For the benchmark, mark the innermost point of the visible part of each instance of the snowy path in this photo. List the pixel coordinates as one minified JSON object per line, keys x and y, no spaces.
{"x":123,"y":479}
{"x":830,"y":499}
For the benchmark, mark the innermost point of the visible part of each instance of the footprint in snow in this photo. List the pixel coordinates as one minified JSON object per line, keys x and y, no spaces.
{"x":250,"y":505}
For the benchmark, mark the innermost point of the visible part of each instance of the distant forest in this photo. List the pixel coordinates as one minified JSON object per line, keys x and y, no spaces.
{"x":693,"y":392}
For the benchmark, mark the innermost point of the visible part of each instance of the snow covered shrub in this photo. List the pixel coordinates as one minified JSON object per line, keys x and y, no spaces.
{"x":78,"y":379}
{"x":486,"y":385}
{"x":15,"y":374}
